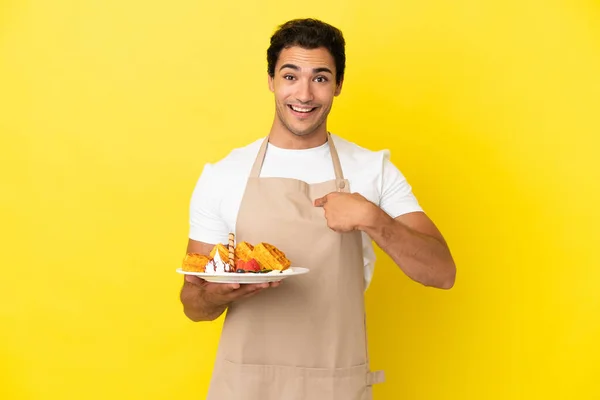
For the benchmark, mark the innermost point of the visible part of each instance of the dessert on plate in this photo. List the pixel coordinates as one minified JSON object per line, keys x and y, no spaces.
{"x":194,"y":262}
{"x":241,"y":258}
{"x":270,"y":257}
{"x":243,"y":251}
{"x":223,"y":252}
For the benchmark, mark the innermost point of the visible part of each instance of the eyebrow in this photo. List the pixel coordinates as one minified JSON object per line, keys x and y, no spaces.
{"x":297,"y":68}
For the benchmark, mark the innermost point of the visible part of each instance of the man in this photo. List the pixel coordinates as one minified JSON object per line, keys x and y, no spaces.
{"x":320,"y":199}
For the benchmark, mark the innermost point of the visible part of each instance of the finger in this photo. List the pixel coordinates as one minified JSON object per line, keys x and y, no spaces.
{"x":320,"y":202}
{"x":246,"y":290}
{"x":243,"y":289}
{"x":250,"y":294}
{"x":194,"y":280}
{"x":275,"y":284}
{"x":257,"y":286}
{"x":222,"y":288}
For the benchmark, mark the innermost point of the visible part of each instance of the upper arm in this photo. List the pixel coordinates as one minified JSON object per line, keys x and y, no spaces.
{"x":207,"y":226}
{"x":399,"y":201}
{"x":396,"y":196}
{"x":195,"y":246}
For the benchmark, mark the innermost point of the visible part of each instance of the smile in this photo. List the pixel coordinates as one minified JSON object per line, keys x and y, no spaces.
{"x":302,"y":110}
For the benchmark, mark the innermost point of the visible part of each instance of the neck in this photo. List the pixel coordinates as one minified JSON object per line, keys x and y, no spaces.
{"x":281,"y":137}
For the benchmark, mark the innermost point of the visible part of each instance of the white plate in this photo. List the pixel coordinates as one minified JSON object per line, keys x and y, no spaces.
{"x":246,"y":277}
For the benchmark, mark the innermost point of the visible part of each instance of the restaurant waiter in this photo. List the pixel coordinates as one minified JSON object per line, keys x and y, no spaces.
{"x":322,"y":200}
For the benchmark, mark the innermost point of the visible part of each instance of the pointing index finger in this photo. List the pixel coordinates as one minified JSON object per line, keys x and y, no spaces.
{"x":320,"y":202}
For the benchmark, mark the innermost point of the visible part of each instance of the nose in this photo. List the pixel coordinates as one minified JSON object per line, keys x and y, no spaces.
{"x":304,"y":93}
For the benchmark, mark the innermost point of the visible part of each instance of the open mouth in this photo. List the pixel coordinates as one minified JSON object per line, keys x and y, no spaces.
{"x":301,"y":110}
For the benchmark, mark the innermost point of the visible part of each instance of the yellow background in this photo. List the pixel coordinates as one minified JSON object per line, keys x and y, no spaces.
{"x":109,"y":109}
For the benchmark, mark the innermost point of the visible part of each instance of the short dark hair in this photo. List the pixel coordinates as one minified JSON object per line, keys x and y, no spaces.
{"x":309,"y":34}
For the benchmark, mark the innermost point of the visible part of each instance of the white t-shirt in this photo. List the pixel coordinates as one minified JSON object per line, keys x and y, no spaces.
{"x":218,"y":193}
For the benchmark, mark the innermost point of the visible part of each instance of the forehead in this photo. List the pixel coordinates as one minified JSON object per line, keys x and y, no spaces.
{"x":306,"y":58}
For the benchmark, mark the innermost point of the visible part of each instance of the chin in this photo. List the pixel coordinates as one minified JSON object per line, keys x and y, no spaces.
{"x":302,"y":133}
{"x":298,"y":130}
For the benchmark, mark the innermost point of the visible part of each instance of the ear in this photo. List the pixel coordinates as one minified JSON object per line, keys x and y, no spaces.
{"x":271,"y":86}
{"x":338,"y":88}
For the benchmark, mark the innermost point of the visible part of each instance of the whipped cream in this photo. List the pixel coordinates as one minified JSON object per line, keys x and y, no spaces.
{"x":220,"y":265}
{"x":216,"y":265}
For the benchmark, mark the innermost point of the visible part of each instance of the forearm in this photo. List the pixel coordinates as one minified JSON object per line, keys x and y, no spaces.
{"x":195,"y":305}
{"x":423,"y":258}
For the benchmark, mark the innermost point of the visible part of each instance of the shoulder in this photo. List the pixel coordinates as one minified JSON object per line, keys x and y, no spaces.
{"x":237,"y":162}
{"x":353,"y":153}
{"x":372,"y":174}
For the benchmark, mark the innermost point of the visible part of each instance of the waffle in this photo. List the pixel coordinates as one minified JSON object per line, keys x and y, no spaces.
{"x":243,"y":251}
{"x":270,"y":257}
{"x":223,"y":252}
{"x":194,"y":262}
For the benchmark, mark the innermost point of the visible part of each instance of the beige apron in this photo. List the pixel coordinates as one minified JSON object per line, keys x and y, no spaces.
{"x":305,"y":340}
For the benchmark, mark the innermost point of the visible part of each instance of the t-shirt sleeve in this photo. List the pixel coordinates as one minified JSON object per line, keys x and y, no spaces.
{"x":206,"y":223}
{"x":397,"y":197}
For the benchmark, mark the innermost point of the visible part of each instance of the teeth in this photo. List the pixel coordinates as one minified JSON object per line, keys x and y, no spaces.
{"x":298,"y":109}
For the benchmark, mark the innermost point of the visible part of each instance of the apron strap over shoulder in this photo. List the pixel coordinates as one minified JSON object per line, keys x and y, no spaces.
{"x":337,"y":165}
{"x":260,"y":158}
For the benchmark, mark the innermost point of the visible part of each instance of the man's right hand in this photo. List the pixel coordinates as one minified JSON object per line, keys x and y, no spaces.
{"x":222,"y":294}
{"x":206,"y":301}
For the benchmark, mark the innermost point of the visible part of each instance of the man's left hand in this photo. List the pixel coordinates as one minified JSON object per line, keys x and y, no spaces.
{"x":346,"y":212}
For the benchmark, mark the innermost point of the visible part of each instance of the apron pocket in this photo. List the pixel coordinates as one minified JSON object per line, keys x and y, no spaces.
{"x":336,"y":384}
{"x":235,"y":381}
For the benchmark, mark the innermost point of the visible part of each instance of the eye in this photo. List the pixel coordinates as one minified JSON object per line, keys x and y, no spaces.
{"x":321,"y":79}
{"x":288,"y":77}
